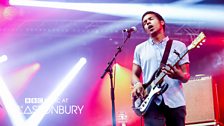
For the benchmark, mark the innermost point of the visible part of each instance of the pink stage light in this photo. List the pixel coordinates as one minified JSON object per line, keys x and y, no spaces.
{"x":9,"y":13}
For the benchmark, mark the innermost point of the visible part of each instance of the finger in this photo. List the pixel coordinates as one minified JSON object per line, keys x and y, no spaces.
{"x":133,"y":93}
{"x":171,"y":67}
{"x":138,"y":90}
{"x":137,"y":93}
{"x":143,"y":93}
{"x":165,"y":71}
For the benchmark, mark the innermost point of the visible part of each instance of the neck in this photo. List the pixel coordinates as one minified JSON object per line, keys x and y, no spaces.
{"x":158,"y":37}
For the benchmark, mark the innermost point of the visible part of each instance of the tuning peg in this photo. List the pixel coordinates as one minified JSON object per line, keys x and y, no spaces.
{"x":201,"y":43}
{"x":204,"y":40}
{"x":198,"y":46}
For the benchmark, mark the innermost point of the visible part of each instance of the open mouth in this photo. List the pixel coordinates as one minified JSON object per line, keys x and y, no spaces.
{"x":150,"y":27}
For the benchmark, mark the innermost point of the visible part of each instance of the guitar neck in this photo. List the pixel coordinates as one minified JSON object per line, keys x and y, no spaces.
{"x":197,"y":41}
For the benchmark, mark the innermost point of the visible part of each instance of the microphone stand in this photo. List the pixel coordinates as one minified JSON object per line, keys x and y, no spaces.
{"x":109,"y":70}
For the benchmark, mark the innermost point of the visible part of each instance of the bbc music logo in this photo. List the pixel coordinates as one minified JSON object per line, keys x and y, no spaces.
{"x":34,"y":100}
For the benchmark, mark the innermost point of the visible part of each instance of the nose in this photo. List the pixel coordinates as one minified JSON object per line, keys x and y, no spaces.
{"x":148,"y":22}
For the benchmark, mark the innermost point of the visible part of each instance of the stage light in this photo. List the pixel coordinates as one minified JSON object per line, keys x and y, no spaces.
{"x":3,"y":58}
{"x":16,"y":116}
{"x":18,"y":80}
{"x":38,"y":115}
{"x":177,"y":12}
{"x":104,"y":8}
{"x":9,"y":13}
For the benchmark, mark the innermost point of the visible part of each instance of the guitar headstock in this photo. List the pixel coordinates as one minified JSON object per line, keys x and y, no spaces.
{"x":197,"y":41}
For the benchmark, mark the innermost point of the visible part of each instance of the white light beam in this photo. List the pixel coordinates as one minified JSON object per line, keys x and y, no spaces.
{"x":38,"y":115}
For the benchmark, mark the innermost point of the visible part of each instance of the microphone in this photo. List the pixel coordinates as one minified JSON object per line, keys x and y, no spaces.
{"x":132,"y":29}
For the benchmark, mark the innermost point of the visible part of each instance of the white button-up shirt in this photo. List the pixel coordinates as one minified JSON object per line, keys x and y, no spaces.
{"x":148,"y":56}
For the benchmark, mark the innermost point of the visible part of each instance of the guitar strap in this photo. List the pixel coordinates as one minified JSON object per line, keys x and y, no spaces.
{"x":163,"y":61}
{"x":166,"y":52}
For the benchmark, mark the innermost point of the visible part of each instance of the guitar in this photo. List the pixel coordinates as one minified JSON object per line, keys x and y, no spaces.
{"x":154,"y":87}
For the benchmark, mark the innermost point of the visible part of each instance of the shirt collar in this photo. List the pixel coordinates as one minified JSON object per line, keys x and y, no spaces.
{"x":163,"y":42}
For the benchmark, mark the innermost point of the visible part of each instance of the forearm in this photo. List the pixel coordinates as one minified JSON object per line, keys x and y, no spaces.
{"x":184,"y":77}
{"x":136,"y":74}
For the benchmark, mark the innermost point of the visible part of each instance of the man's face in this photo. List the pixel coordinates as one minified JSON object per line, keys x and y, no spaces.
{"x":152,"y":25}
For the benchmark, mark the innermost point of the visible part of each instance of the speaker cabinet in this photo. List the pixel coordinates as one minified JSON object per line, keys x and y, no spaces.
{"x":202,"y":102}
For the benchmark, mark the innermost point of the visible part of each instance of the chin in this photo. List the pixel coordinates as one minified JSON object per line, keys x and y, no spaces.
{"x":153,"y":34}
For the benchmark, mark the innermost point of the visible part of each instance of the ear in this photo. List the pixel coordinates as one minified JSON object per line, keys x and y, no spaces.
{"x":162,"y":22}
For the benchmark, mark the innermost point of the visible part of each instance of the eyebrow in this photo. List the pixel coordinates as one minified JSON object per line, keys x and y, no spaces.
{"x":144,"y":21}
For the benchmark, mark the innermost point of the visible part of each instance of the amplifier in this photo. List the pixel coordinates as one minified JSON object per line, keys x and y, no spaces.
{"x":201,"y":100}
